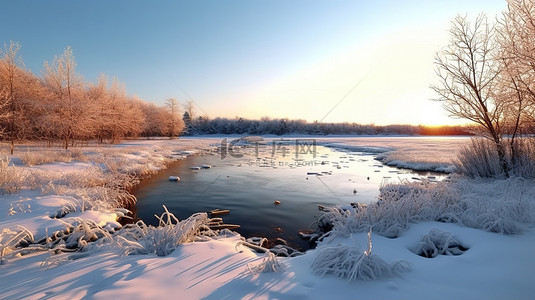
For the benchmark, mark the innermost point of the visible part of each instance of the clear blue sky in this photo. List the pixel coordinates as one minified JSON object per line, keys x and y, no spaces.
{"x":292,"y":59}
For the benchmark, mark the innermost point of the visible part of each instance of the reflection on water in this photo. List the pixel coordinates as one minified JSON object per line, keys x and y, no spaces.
{"x":249,"y":187}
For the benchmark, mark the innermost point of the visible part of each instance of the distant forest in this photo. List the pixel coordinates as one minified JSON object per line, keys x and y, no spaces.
{"x":203,"y":125}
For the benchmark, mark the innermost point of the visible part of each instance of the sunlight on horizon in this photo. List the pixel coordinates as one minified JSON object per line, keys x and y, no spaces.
{"x":295,"y":60}
{"x":385,"y":82}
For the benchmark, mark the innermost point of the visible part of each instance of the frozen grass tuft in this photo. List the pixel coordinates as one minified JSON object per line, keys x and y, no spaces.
{"x":269,"y":263}
{"x":79,"y":234}
{"x":351,"y":263}
{"x":502,"y":206}
{"x":523,"y":164}
{"x":10,"y":239}
{"x":162,"y":240}
{"x":480,"y":159}
{"x":437,"y":243}
{"x":85,"y":236}
{"x":12,"y":178}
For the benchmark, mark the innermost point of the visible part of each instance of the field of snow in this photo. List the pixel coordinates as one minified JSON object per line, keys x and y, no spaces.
{"x":480,"y":233}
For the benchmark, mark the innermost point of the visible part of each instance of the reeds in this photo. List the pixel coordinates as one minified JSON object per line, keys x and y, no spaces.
{"x":502,"y":206}
{"x":351,"y":263}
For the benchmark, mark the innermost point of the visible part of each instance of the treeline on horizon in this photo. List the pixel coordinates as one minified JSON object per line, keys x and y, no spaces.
{"x":203,"y":125}
{"x":59,"y":106}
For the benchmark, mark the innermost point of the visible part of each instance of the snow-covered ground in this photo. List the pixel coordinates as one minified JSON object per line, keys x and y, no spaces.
{"x":491,"y":265}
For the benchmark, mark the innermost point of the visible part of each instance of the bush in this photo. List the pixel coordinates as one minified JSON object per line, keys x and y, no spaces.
{"x":523,"y":158}
{"x":480,"y":159}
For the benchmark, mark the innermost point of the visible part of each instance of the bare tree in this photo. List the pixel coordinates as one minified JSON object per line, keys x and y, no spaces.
{"x":175,"y":123}
{"x":97,"y":94}
{"x":9,"y":65}
{"x":468,"y":75}
{"x":133,"y":117}
{"x":155,"y":120}
{"x":69,"y":115}
{"x":4,"y":114}
{"x":516,"y":33}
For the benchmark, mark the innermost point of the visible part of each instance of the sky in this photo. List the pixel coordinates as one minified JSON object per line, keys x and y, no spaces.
{"x":369,"y":62}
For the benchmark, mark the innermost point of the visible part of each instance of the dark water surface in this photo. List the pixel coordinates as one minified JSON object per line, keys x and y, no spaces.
{"x":249,"y":186}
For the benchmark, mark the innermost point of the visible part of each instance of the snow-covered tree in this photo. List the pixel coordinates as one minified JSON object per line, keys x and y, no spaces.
{"x":189,"y":118}
{"x":516,"y":37}
{"x":12,"y":92}
{"x":175,"y":124}
{"x":468,"y":75}
{"x":68,"y":115}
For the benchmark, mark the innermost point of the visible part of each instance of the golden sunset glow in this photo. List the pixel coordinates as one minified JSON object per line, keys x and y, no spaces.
{"x":293,"y":60}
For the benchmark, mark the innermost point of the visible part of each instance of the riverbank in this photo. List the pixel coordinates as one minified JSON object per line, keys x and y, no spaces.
{"x":495,"y":266}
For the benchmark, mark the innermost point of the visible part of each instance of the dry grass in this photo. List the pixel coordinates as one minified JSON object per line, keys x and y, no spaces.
{"x":12,"y":178}
{"x":502,"y":206}
{"x":480,"y":159}
{"x":33,"y":158}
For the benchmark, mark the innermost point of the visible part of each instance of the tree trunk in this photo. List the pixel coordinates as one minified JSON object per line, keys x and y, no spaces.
{"x":502,"y":157}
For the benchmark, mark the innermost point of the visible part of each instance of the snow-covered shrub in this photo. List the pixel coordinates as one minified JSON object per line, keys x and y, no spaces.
{"x":398,"y":205}
{"x":81,"y":236}
{"x":502,"y":206}
{"x":351,"y":263}
{"x":480,"y":158}
{"x":437,"y":242}
{"x":523,"y":162}
{"x":162,"y":240}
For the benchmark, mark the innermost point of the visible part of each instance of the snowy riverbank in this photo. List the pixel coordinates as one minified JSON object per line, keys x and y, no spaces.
{"x":494,"y":266}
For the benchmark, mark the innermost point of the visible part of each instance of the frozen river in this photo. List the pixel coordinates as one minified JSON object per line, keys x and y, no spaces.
{"x":272,"y":190}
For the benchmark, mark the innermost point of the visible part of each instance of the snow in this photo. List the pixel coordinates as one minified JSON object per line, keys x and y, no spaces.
{"x":494,"y":266}
{"x":174,"y":178}
{"x":34,"y":212}
{"x":490,"y":269}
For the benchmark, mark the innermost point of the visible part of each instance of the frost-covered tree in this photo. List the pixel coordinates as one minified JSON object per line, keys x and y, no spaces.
{"x":189,"y":118}
{"x":516,"y":37}
{"x":68,"y":115}
{"x":11,"y":96}
{"x":468,"y":76}
{"x":97,"y":94}
{"x":175,"y":124}
{"x":154,"y":118}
